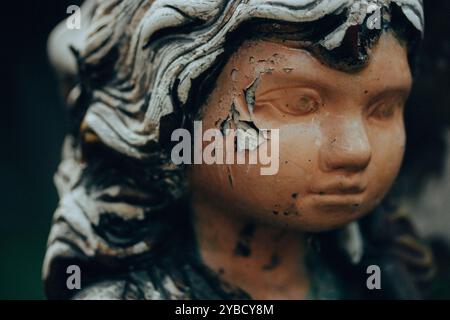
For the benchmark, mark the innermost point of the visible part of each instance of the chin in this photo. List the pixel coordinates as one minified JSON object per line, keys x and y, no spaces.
{"x":325,"y":227}
{"x":316,"y":221}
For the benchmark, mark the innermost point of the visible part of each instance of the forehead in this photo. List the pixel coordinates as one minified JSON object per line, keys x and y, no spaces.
{"x":388,"y":67}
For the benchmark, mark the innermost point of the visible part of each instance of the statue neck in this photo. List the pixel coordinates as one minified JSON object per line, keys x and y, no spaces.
{"x":265,"y":261}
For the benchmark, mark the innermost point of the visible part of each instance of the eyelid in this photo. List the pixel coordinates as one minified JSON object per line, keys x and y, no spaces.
{"x":400,"y":94}
{"x":386,"y":99}
{"x":386,"y":106}
{"x":307,"y":91}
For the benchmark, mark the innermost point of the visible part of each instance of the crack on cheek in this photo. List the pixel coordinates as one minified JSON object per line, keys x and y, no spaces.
{"x":230,"y":176}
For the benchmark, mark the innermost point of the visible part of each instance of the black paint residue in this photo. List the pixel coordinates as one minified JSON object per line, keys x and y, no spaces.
{"x":243,"y":245}
{"x":273,"y":263}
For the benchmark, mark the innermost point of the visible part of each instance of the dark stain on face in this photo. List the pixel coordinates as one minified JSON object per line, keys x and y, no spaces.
{"x":294,"y":195}
{"x":273,"y":263}
{"x":292,"y":210}
{"x":242,"y":248}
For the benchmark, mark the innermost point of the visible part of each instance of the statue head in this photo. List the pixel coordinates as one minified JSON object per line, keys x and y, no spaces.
{"x":331,"y":76}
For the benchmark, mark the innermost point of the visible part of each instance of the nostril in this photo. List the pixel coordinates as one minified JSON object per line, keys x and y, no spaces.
{"x":356,"y":161}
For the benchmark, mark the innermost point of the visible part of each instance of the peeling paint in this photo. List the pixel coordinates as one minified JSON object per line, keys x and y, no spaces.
{"x":250,"y":94}
{"x":234,"y":74}
{"x":248,"y":135}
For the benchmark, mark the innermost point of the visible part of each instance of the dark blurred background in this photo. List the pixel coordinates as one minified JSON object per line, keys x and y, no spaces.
{"x":33,"y":123}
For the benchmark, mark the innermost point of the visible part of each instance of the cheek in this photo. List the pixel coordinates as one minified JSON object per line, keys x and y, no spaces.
{"x":388,"y":145}
{"x":298,"y":150}
{"x":246,"y":191}
{"x":299,"y":147}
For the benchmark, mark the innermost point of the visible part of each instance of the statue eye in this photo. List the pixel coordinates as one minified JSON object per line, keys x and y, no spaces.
{"x":302,"y":106}
{"x":384,"y":110}
{"x":295,"y":101}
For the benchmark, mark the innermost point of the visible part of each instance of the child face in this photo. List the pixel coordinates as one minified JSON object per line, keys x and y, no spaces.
{"x":341,"y":135}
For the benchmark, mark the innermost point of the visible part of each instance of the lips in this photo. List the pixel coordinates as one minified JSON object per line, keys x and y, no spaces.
{"x":340,"y":186}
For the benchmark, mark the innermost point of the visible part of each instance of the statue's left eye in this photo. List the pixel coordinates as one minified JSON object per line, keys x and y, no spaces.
{"x":385,"y":109}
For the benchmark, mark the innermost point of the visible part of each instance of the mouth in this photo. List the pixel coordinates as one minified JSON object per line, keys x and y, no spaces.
{"x":343,"y":192}
{"x":349,"y":203}
{"x":343,"y":187}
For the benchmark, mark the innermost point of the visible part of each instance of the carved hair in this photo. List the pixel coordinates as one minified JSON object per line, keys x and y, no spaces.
{"x":140,"y":66}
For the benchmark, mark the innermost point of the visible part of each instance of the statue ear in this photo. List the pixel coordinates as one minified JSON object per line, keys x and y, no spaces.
{"x":66,"y":36}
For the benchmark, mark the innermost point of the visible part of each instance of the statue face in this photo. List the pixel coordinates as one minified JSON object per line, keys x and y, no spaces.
{"x":341,"y":135}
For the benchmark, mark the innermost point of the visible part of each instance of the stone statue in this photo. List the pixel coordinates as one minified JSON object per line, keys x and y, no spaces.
{"x":332,"y":76}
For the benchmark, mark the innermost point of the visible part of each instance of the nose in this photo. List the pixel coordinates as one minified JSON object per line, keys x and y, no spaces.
{"x":347,"y":148}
